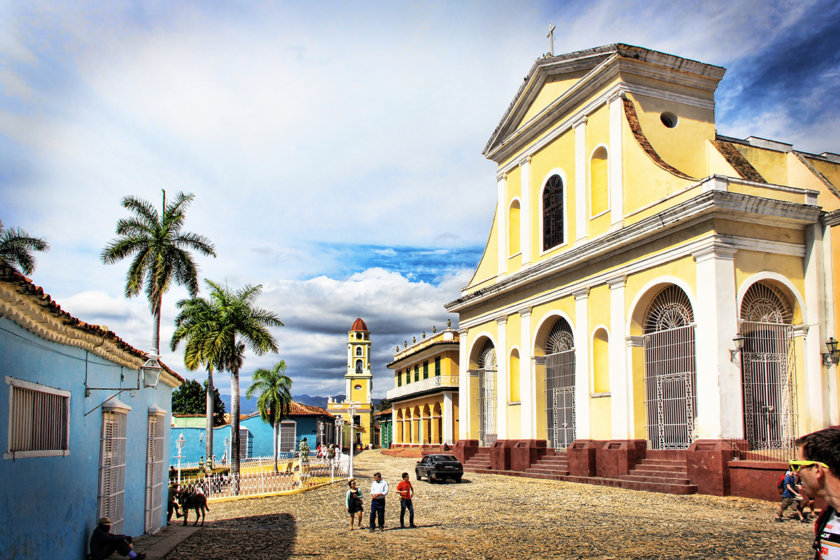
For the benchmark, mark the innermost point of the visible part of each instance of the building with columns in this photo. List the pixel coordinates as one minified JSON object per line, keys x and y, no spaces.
{"x":649,"y":287}
{"x":424,"y":399}
{"x":357,"y":407}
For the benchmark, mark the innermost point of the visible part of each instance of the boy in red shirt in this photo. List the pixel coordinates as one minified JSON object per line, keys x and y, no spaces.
{"x":406,"y":492}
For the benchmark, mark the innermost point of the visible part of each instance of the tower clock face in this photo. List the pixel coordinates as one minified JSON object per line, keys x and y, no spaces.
{"x":358,"y":387}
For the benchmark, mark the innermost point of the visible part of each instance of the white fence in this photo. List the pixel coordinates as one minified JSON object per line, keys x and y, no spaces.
{"x":290,"y":477}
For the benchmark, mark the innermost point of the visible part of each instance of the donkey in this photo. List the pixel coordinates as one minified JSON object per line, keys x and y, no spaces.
{"x":190,"y":499}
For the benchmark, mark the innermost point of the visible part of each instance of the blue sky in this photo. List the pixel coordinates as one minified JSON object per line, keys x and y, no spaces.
{"x":334,"y":149}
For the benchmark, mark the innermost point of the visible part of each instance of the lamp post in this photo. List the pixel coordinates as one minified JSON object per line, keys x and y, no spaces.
{"x":352,"y":410}
{"x":179,"y":443}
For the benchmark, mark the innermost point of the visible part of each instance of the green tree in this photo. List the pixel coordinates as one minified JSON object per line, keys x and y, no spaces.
{"x":16,"y":248}
{"x":191,"y":397}
{"x":195,"y":324}
{"x":234,"y":323}
{"x":275,"y":397}
{"x":161,"y":251}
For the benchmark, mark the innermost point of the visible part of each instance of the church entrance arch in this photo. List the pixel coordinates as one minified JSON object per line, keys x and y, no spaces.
{"x":767,"y":367}
{"x":485,"y":375}
{"x":670,"y":370}
{"x":560,"y":386}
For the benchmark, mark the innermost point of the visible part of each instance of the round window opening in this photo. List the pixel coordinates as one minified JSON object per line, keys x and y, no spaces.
{"x":668,"y":119}
{"x":358,"y":387}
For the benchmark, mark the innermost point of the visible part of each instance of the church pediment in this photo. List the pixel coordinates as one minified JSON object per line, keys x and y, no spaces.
{"x":555,"y":85}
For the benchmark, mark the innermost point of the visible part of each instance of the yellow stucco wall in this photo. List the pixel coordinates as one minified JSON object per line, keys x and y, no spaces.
{"x":551,"y":90}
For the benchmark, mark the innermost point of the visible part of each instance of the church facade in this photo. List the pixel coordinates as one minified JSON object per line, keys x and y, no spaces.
{"x":649,"y":287}
{"x":357,"y":408}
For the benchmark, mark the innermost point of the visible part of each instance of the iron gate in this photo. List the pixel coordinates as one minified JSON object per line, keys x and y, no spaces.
{"x":670,"y":397}
{"x":487,"y":408}
{"x":560,"y":399}
{"x":768,"y":383}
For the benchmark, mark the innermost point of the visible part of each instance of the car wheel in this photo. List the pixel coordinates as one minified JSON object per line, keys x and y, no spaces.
{"x":457,"y":479}
{"x":432,"y":478}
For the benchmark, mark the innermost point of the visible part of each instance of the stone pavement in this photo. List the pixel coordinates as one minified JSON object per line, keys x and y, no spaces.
{"x":495,"y":517}
{"x":157,"y":546}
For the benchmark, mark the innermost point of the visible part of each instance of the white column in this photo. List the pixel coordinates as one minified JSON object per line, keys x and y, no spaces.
{"x":582,"y":388}
{"x":718,"y":379}
{"x":581,"y":221}
{"x":621,"y":399}
{"x":615,"y":160}
{"x":525,"y":211}
{"x":502,"y":379}
{"x":814,"y":417}
{"x":448,"y":417}
{"x":526,"y":374}
{"x":828,"y":314}
{"x":501,"y":215}
{"x":463,"y":386}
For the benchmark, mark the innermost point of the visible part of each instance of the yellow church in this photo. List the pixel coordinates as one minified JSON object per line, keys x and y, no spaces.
{"x":357,"y":408}
{"x":653,"y":296}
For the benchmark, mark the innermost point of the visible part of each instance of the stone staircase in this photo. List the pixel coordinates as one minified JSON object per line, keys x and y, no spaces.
{"x":552,"y":466}
{"x":480,"y":462}
{"x":660,"y":472}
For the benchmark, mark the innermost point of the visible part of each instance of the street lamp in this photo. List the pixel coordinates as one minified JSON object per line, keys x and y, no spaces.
{"x":352,"y":410}
{"x":179,"y":443}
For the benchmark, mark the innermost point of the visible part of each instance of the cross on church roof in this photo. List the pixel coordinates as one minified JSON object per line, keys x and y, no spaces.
{"x":550,"y":36}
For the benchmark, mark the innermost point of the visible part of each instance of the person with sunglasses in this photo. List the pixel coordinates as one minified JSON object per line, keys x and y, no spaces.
{"x":818,"y":466}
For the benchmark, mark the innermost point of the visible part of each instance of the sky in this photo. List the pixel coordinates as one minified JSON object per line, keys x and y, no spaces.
{"x":333,"y":148}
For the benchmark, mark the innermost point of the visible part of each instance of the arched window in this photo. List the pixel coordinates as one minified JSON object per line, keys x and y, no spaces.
{"x":358,"y":350}
{"x":358,"y":366}
{"x":513,"y":228}
{"x":599,"y":193}
{"x":553,"y":222}
{"x":601,"y":362}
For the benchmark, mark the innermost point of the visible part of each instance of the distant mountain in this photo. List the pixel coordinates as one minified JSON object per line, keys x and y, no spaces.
{"x":315,"y":400}
{"x":245,"y":406}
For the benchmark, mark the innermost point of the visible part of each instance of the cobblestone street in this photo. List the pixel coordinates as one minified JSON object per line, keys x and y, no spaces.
{"x":497,"y":517}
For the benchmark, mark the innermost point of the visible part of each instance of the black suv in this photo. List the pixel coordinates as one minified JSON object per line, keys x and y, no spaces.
{"x":439,"y":467}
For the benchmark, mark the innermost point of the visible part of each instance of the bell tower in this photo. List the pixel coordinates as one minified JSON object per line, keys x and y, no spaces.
{"x":358,"y":381}
{"x":357,"y":408}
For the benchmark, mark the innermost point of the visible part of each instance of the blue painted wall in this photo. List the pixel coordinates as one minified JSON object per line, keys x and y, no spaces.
{"x":50,"y":503}
{"x":259,"y":438}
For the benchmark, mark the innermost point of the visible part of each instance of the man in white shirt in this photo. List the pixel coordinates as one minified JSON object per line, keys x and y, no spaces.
{"x":818,"y":466}
{"x":378,"y":491}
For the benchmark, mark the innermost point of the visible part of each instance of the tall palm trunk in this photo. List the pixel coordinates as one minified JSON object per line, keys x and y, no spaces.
{"x":234,"y":427}
{"x":274,"y":429}
{"x":210,"y":412}
{"x":156,"y":329}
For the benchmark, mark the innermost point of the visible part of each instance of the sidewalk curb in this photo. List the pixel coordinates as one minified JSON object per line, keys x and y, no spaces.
{"x":160,"y":544}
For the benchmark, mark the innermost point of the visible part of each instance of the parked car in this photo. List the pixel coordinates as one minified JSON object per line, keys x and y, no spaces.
{"x":439,"y":467}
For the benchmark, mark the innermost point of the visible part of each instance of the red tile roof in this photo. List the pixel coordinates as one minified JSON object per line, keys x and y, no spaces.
{"x":359,"y":325}
{"x":27,"y":288}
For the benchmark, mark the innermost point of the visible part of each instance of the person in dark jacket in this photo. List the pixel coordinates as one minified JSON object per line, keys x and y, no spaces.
{"x":103,"y":543}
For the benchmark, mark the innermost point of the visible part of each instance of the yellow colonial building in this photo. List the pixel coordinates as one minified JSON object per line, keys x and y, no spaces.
{"x":648,"y":284}
{"x":424,"y":399}
{"x":357,"y":407}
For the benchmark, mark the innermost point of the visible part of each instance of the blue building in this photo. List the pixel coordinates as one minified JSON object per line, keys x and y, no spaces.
{"x":84,"y":416}
{"x":304,"y":421}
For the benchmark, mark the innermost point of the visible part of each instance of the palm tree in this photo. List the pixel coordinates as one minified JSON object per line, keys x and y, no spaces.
{"x":16,"y":248}
{"x":237,"y":324}
{"x":161,"y":251}
{"x":274,"y":402}
{"x":194,"y":323}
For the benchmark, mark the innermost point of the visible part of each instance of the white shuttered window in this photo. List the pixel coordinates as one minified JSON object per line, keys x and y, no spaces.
{"x":112,"y":468}
{"x":154,"y":472}
{"x":39,"y":420}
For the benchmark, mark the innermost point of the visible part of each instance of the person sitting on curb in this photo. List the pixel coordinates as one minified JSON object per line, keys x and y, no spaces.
{"x":790,"y":497}
{"x":103,"y":543}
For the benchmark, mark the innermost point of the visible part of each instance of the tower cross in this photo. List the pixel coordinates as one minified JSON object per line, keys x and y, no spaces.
{"x":550,"y":36}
